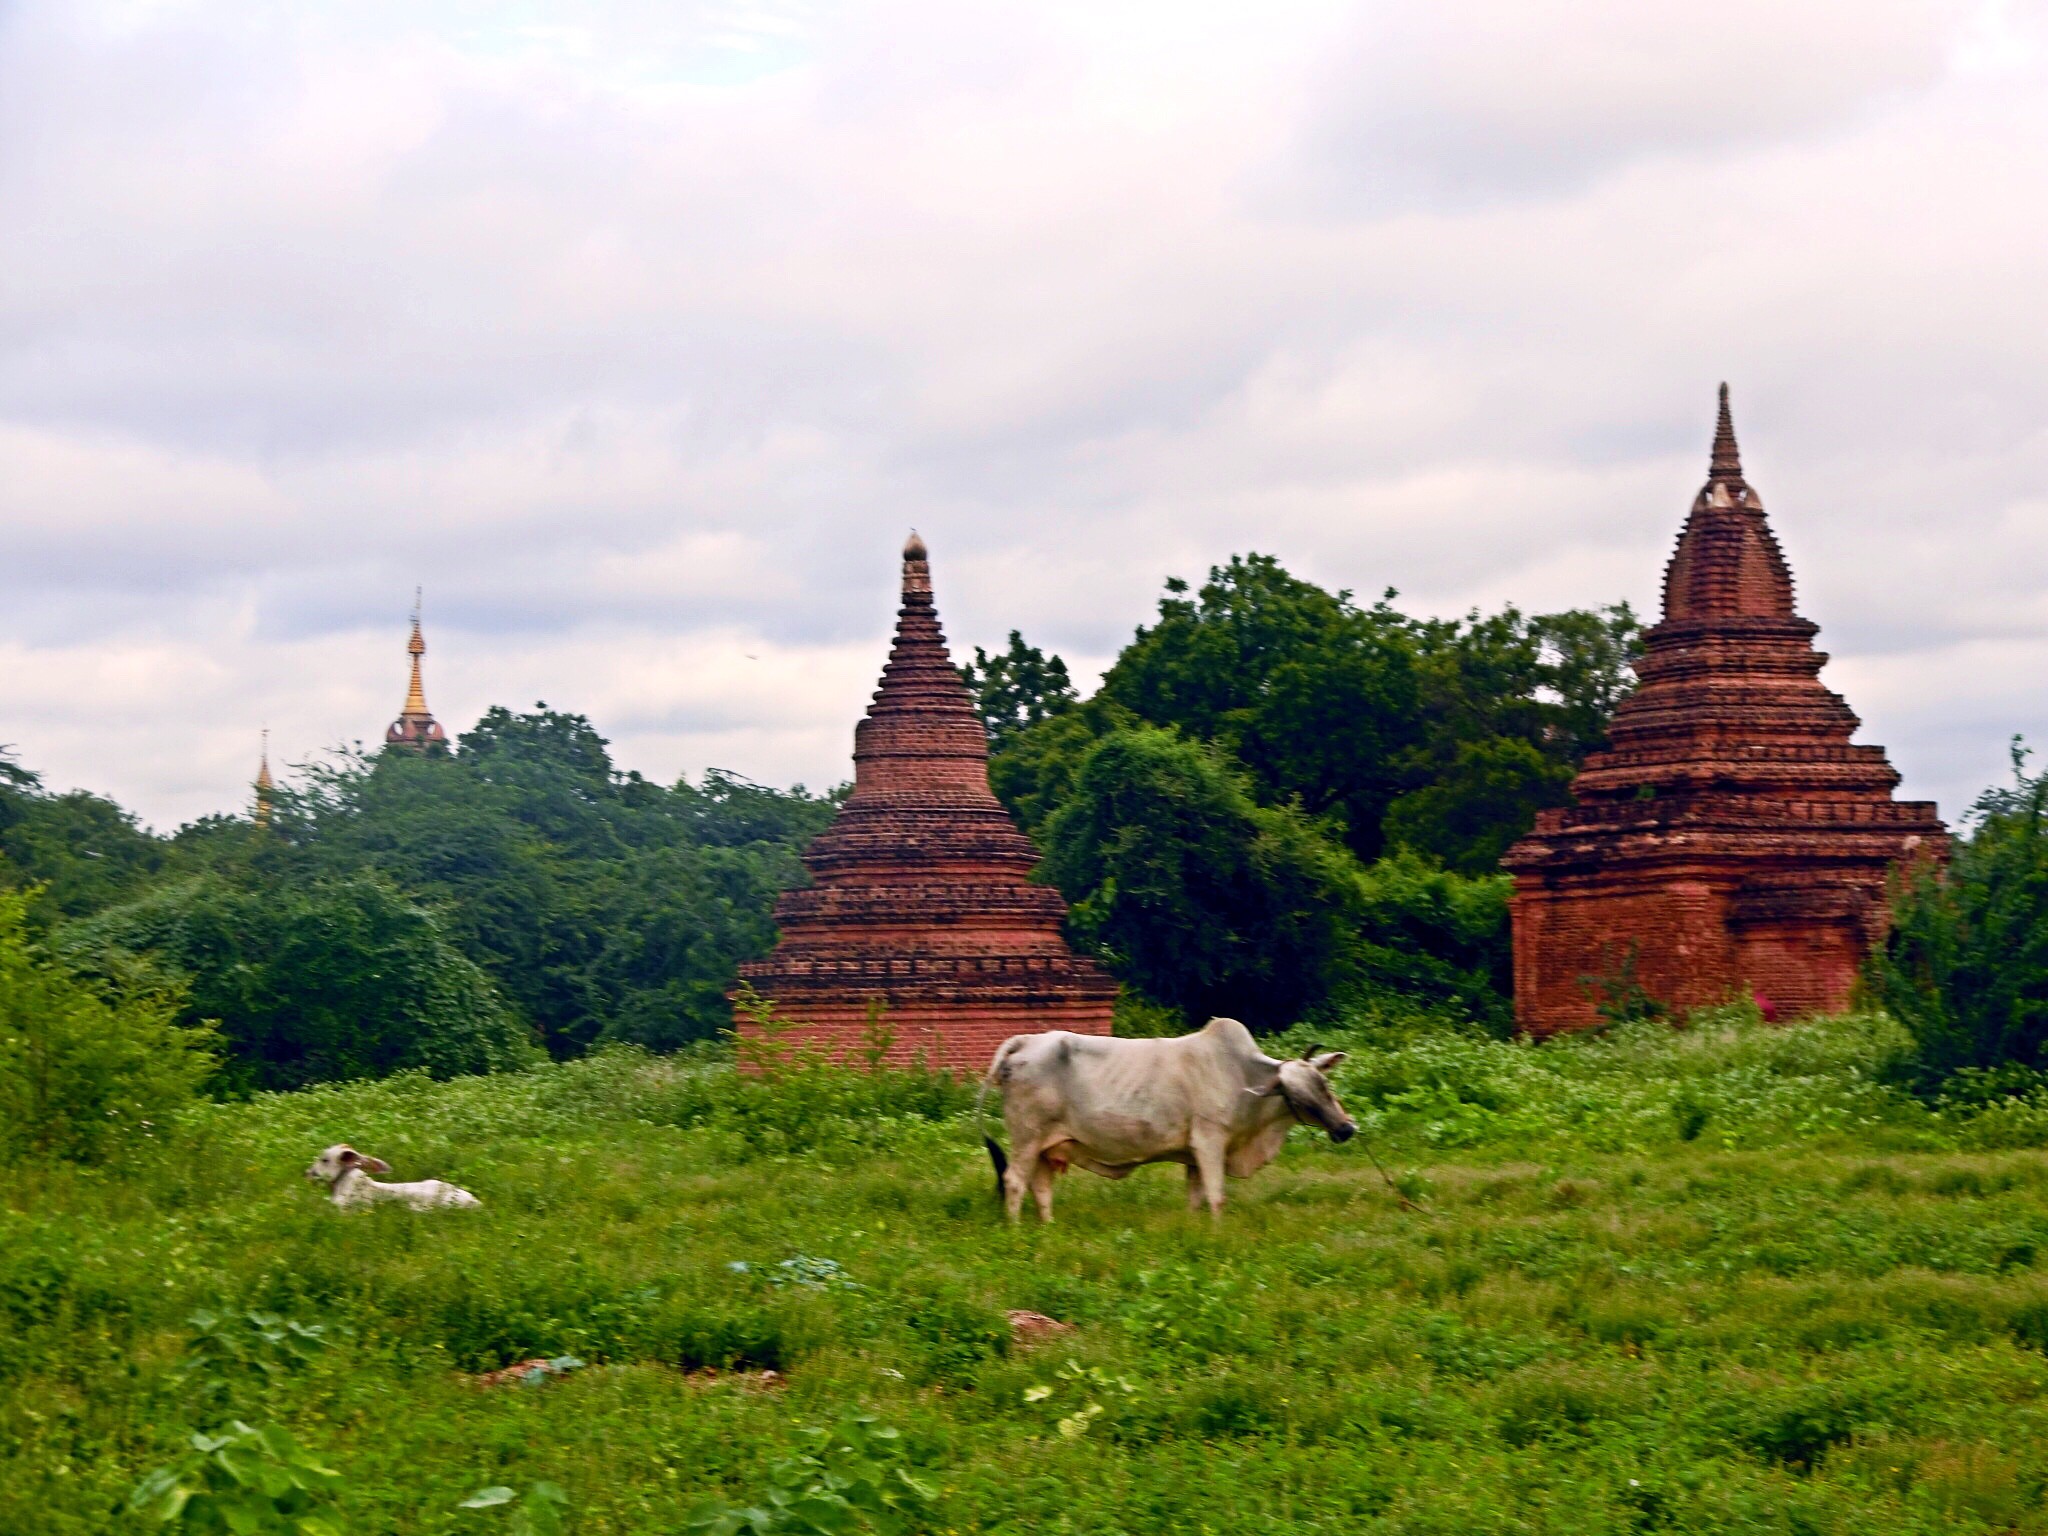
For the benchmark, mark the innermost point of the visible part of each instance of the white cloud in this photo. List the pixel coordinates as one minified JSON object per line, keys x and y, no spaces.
{"x":638,"y":333}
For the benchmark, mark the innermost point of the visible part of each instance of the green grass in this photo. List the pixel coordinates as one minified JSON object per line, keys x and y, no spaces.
{"x":1723,"y":1281}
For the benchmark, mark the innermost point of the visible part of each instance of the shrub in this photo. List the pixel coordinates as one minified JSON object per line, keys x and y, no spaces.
{"x":1201,"y":898}
{"x":1965,"y":967}
{"x":332,"y":980}
{"x":855,"y":1477}
{"x":84,"y":1070}
{"x":1438,"y":938}
{"x":244,"y":1480}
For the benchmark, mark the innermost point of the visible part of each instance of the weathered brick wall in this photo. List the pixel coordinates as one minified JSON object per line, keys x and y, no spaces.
{"x":957,"y":1036}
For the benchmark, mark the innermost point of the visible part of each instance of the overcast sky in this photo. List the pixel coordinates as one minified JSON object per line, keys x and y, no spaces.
{"x":639,"y":332}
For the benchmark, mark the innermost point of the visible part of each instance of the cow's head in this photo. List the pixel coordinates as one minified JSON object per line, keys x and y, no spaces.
{"x":339,"y":1159}
{"x":1305,"y":1085}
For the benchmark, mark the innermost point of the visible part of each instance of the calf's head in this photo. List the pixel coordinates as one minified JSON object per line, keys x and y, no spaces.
{"x":1305,"y":1085}
{"x":339,"y":1159}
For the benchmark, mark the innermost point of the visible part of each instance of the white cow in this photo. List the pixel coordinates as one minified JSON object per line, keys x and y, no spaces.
{"x":1212,"y":1101}
{"x":346,"y":1172}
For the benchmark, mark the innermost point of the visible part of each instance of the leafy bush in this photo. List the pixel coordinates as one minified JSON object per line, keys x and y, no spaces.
{"x":855,"y":1477}
{"x":1434,"y":937}
{"x":1727,"y":1080}
{"x":339,"y":979}
{"x":537,"y":1512}
{"x":243,"y":1480}
{"x":84,"y":1071}
{"x":1965,"y":967}
{"x":1198,"y":896}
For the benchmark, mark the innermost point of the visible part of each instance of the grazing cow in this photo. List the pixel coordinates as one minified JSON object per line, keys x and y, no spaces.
{"x":1212,"y":1101}
{"x":346,"y":1173}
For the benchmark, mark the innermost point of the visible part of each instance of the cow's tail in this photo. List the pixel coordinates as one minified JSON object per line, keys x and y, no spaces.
{"x":998,"y":1073}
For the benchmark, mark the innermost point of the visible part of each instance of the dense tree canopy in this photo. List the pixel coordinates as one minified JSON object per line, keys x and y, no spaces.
{"x":606,"y":906}
{"x":1196,"y":894}
{"x":1440,"y":736}
{"x":311,"y":982}
{"x":83,"y":850}
{"x":1392,"y":759}
{"x":454,"y":904}
{"x":1016,"y":687}
{"x":1279,"y":804}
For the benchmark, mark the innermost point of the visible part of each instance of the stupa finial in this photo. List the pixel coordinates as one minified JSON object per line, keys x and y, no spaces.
{"x":264,"y":784}
{"x":1726,"y":463}
{"x":415,"y":726}
{"x":917,"y":571}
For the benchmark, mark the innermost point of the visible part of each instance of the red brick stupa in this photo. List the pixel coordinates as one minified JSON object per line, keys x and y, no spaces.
{"x":1730,"y":839}
{"x":921,"y":903}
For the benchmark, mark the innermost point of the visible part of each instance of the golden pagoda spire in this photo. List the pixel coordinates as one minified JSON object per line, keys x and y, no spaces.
{"x":416,"y":647}
{"x":264,"y":784}
{"x":416,"y":726}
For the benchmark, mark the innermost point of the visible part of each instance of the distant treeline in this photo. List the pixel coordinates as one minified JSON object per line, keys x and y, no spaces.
{"x":1280,"y":804}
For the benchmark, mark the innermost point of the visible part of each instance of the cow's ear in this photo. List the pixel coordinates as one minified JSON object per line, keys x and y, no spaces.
{"x":1330,"y":1061}
{"x":375,"y":1164}
{"x":350,"y":1157}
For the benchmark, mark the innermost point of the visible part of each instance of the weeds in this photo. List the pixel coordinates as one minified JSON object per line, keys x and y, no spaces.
{"x":536,"y":1512}
{"x":852,"y":1478}
{"x":1824,"y":1310}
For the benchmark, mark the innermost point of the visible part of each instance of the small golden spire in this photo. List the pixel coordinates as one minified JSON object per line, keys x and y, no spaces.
{"x":264,"y":784}
{"x":416,"y":647}
{"x":416,"y":726}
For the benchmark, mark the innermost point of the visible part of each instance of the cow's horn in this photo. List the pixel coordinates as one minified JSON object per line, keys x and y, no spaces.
{"x":1311,"y":1051}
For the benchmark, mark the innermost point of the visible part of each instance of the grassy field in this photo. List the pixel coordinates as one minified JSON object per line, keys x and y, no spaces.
{"x":1722,"y":1281}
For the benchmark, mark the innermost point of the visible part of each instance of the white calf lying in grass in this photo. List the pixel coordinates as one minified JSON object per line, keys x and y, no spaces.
{"x":346,"y":1173}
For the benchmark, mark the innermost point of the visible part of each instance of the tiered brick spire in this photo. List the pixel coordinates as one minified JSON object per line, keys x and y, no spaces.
{"x":1730,"y":838}
{"x":416,"y":728}
{"x":921,"y":901}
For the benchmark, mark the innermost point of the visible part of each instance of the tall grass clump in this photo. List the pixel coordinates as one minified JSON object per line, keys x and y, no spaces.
{"x":1725,"y":1080}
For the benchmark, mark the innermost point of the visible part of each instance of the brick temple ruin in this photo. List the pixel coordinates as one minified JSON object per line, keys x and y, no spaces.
{"x":1730,"y":838}
{"x":921,"y":907}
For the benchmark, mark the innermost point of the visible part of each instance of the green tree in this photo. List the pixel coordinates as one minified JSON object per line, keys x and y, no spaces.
{"x":1486,"y":797}
{"x":605,"y":906}
{"x":336,"y":979}
{"x":84,"y":851}
{"x":1017,"y":687}
{"x":85,"y":1067}
{"x":1203,"y":899}
{"x":1965,"y":966}
{"x":1317,"y":698}
{"x":1434,"y":938}
{"x":1035,"y":772}
{"x":1513,"y":705}
{"x":1445,"y":736}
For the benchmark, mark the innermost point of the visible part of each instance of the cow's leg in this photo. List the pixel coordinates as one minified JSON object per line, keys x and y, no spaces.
{"x":1042,"y":1174}
{"x":1210,"y":1147}
{"x":1017,"y":1179}
{"x":1194,"y":1187}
